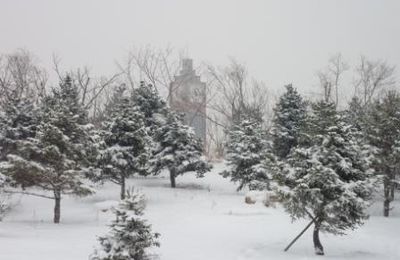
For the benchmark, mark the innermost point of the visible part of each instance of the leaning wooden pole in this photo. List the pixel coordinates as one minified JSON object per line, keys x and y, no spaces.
{"x":299,"y":235}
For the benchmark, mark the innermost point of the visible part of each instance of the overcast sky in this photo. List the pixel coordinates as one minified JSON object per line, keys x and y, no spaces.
{"x":280,"y":41}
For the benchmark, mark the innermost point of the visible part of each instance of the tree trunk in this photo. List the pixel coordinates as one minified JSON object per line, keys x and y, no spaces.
{"x":319,"y":250}
{"x":299,"y":235}
{"x":57,"y":206}
{"x":386,"y":207}
{"x":172,"y":178}
{"x":387,"y":196}
{"x":392,"y":188}
{"x":122,"y":187}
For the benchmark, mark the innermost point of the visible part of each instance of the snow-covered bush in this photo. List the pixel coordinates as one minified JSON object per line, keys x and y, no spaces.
{"x":5,"y":205}
{"x":268,"y":198}
{"x":129,"y":234}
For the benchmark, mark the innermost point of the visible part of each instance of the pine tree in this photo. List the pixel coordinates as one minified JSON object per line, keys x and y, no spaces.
{"x":109,"y":106}
{"x":356,"y":114}
{"x":175,"y":145}
{"x":152,"y":106}
{"x":246,"y":151}
{"x":57,"y":157}
{"x":126,"y":143}
{"x":129,"y":234}
{"x":290,"y":113}
{"x":328,"y":177}
{"x":383,"y":133}
{"x":18,"y":122}
{"x":178,"y":149}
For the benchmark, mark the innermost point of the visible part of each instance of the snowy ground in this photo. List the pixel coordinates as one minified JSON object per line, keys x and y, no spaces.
{"x":203,"y":219}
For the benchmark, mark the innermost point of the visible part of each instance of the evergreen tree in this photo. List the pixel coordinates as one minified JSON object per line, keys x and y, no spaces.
{"x":178,"y":149}
{"x":290,"y":113}
{"x":152,"y":106}
{"x":129,"y":234}
{"x":109,"y":106}
{"x":328,"y":177}
{"x":18,"y":122}
{"x":58,"y":156}
{"x":356,"y":114}
{"x":383,"y":133}
{"x":175,"y":145}
{"x":247,"y":149}
{"x":126,"y":144}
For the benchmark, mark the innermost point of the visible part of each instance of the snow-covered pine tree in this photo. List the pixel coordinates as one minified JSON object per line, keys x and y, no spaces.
{"x":178,"y":149}
{"x":383,"y":133}
{"x":152,"y":106}
{"x":290,"y":113}
{"x":327,"y":177}
{"x":17,"y":126}
{"x":129,"y":235}
{"x":126,"y":143}
{"x":356,"y":114}
{"x":56,"y":158}
{"x":247,"y":149}
{"x":109,"y":106}
{"x":176,"y":146}
{"x":18,"y":122}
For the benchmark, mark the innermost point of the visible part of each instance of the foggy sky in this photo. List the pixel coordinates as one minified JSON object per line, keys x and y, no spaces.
{"x":280,"y":41}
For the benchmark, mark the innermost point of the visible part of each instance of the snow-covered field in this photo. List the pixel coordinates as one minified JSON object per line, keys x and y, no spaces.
{"x":203,"y":219}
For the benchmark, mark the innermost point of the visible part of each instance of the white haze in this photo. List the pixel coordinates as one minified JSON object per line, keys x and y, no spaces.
{"x":280,"y":41}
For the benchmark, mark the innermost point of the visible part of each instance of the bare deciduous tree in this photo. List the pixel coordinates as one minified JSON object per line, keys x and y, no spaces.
{"x":330,"y":78}
{"x":373,"y":77}
{"x":233,"y":96}
{"x":215,"y":139}
{"x":93,"y":91}
{"x":156,"y":66}
{"x":21,"y":77}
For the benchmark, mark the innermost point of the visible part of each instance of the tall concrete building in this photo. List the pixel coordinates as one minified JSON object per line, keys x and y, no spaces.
{"x":188,"y":96}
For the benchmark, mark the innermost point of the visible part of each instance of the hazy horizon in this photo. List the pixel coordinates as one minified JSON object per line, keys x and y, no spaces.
{"x":280,"y":41}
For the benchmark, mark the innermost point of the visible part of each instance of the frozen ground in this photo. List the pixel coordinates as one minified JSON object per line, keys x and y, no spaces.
{"x":203,"y":219}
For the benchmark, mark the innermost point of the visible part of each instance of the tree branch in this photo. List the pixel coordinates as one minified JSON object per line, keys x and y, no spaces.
{"x":29,"y":193}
